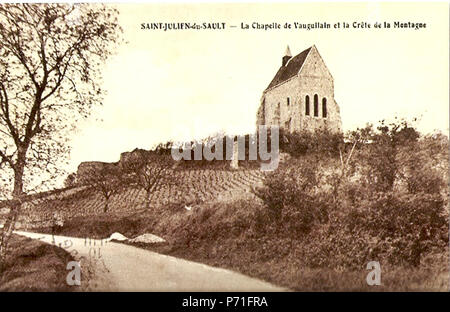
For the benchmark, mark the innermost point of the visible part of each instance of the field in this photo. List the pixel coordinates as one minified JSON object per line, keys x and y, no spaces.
{"x":199,"y":185}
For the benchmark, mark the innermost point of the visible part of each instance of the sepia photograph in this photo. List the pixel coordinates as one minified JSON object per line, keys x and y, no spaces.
{"x":206,"y":147}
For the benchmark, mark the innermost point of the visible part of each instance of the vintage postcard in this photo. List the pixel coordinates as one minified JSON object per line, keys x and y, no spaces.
{"x":224,"y":147}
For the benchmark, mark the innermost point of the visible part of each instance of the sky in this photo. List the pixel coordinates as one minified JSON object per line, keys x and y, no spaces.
{"x":179,"y":85}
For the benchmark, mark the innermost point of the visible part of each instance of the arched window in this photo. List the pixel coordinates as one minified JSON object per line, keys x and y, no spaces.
{"x":324,"y":108}
{"x":316,"y":105}
{"x":307,"y":105}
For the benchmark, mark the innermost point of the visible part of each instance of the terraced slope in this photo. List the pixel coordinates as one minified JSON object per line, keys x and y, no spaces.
{"x":196,"y":185}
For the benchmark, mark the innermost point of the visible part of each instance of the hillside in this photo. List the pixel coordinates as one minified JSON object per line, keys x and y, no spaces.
{"x":312,"y":224}
{"x":32,"y":265}
{"x":197,"y":186}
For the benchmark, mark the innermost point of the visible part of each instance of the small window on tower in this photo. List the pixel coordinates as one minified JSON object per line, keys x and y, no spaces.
{"x":324,"y":108}
{"x":288,"y":102}
{"x":307,"y":105}
{"x":277,"y":114}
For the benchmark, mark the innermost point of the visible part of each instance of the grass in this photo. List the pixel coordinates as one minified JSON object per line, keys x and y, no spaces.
{"x":226,"y":238}
{"x":32,"y":265}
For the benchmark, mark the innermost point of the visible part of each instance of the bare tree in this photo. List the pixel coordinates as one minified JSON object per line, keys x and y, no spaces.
{"x":106,"y":180}
{"x":151,"y":172}
{"x":50,"y":61}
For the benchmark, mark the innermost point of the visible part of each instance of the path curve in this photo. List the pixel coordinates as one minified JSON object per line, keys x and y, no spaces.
{"x":122,"y":267}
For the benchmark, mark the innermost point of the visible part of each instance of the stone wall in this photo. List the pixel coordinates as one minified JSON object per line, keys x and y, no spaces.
{"x":315,"y":78}
{"x":277,"y":110}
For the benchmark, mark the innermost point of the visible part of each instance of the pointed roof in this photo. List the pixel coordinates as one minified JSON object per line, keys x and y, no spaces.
{"x":290,"y":69}
{"x":288,"y":51}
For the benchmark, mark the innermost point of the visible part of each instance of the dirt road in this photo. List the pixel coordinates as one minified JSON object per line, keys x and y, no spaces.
{"x":117,"y":267}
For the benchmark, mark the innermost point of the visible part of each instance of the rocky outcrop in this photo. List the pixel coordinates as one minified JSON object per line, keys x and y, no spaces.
{"x":86,"y":168}
{"x":134,"y":156}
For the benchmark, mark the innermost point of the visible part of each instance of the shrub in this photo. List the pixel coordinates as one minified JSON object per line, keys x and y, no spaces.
{"x":380,"y":205}
{"x":378,"y":151}
{"x":420,"y":171}
{"x":320,"y":141}
{"x":403,"y":226}
{"x":292,"y":197}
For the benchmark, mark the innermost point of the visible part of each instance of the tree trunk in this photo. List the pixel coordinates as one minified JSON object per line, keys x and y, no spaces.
{"x":14,"y":207}
{"x":105,"y":208}
{"x":18,"y":171}
{"x":148,"y":200}
{"x":8,"y":228}
{"x":18,"y":182}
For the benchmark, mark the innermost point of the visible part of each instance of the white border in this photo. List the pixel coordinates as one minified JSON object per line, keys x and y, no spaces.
{"x":214,"y":1}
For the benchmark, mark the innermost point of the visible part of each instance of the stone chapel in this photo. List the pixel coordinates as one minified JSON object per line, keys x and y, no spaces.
{"x":301,"y":95}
